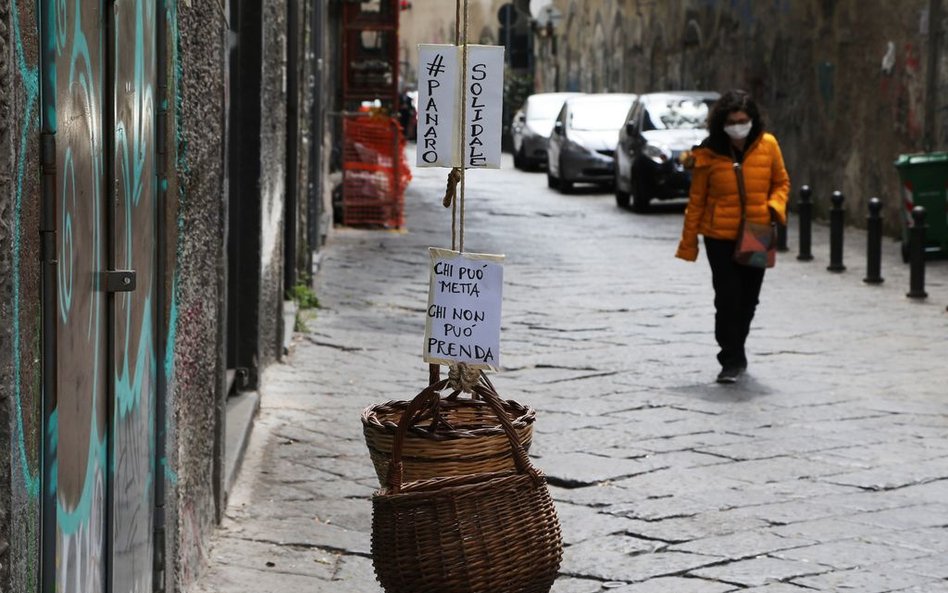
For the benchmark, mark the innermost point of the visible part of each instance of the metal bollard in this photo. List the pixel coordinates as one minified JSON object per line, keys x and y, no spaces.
{"x":917,"y":255}
{"x":837,"y":220}
{"x":805,"y":206}
{"x":874,"y":243}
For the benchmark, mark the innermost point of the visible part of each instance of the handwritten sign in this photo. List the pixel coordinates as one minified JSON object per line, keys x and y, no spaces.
{"x":464,"y":297}
{"x":485,"y":97}
{"x":438,"y":101}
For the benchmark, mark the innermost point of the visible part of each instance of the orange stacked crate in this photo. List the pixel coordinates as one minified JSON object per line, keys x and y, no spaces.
{"x":375,"y":172}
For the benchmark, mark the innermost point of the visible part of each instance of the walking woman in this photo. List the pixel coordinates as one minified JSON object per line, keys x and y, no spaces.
{"x":736,"y":134}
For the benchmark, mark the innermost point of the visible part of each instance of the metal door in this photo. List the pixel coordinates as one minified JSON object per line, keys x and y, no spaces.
{"x":98,"y":77}
{"x":133,"y":336}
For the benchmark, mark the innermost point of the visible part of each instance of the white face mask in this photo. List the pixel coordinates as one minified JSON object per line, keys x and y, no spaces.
{"x":738,"y":131}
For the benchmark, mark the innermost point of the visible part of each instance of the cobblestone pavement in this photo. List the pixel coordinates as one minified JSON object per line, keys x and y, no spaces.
{"x":824,"y":469}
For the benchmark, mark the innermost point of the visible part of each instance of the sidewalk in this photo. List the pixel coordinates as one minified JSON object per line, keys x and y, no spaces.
{"x":825,"y":469}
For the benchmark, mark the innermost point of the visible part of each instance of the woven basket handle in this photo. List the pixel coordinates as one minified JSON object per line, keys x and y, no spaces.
{"x":427,"y":398}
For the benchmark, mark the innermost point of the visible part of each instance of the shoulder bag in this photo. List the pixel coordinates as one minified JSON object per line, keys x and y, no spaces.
{"x":756,"y":243}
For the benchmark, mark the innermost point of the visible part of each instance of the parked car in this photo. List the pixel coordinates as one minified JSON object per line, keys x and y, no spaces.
{"x":583,"y":141}
{"x":531,"y":128}
{"x":659,"y":127}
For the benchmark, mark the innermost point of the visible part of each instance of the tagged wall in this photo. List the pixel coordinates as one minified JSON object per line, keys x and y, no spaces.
{"x":195,"y":365}
{"x":19,"y":297}
{"x":843,"y":83}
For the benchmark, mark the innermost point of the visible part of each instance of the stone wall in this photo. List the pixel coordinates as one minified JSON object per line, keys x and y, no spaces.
{"x":20,"y":415}
{"x":196,"y":382}
{"x":272,"y":180}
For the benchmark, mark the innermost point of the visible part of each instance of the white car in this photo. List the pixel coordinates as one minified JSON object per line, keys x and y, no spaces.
{"x":582,"y":145}
{"x":531,"y":128}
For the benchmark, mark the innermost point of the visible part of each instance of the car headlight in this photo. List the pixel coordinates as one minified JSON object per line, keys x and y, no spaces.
{"x":659,"y":154}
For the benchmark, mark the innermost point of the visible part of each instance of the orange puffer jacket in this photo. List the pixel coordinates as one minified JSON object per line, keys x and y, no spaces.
{"x":714,"y":204}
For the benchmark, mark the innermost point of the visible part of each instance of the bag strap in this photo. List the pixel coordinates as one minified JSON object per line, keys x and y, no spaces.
{"x":739,"y":172}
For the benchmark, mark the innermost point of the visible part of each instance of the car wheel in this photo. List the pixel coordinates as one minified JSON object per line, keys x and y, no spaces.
{"x":641,"y":195}
{"x":565,"y":185}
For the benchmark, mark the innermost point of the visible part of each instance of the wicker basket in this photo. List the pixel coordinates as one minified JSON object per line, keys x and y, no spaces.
{"x":494,"y":532}
{"x":454,"y":436}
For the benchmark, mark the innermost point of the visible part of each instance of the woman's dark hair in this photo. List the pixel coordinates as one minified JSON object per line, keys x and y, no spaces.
{"x":731,"y":101}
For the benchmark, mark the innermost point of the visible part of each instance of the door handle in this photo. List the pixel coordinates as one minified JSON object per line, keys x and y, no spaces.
{"x":120,"y":281}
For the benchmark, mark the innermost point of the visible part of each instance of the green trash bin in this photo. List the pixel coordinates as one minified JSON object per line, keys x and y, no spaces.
{"x":924,"y":179}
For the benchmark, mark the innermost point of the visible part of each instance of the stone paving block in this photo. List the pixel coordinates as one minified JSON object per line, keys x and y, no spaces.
{"x":580,"y":523}
{"x":930,"y":539}
{"x":273,"y":557}
{"x":910,"y":517}
{"x":825,"y":530}
{"x":777,"y":469}
{"x":690,"y":442}
{"x":676,"y":585}
{"x":757,"y":572}
{"x":571,"y":585}
{"x":743,"y":544}
{"x":869,"y":581}
{"x":610,"y":565}
{"x":304,"y":532}
{"x":933,"y":566}
{"x":889,"y":477}
{"x":848,"y":554}
{"x":777,"y":588}
{"x":770,"y":448}
{"x":672,"y":481}
{"x":238,"y":579}
{"x":586,"y":440}
{"x":354,"y":575}
{"x":583,"y":469}
{"x":683,"y":529}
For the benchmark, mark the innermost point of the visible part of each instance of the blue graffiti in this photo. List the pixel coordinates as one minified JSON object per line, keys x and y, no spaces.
{"x":30,"y":78}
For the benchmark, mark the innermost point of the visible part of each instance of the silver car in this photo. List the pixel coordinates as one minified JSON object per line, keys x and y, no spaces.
{"x":531,"y":128}
{"x":583,"y":142}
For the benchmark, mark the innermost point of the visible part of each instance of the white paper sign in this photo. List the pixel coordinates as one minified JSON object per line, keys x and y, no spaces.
{"x":485,"y":100}
{"x":438,"y":100}
{"x":464,"y":297}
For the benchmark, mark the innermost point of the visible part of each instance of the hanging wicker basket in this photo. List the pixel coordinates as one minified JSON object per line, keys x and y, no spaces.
{"x":491,"y":532}
{"x":452,"y":436}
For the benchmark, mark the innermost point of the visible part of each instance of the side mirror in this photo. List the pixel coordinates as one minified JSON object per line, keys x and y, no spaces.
{"x":558,"y":128}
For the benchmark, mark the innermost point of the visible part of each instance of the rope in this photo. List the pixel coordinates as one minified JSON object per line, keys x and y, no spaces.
{"x":464,"y":54}
{"x":451,"y":193}
{"x":463,"y":378}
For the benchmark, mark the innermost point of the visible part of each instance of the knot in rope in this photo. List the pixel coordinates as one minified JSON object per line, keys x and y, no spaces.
{"x":463,"y":378}
{"x":454,"y":177}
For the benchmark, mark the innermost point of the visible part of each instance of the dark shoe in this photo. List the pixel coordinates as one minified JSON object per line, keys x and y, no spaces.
{"x":729,"y":374}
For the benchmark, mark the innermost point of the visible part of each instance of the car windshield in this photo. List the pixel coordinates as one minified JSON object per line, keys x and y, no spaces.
{"x":540,"y":107}
{"x":677,"y":114}
{"x":599,"y":115}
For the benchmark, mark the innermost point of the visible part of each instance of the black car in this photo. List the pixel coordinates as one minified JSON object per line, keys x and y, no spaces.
{"x":658,"y":128}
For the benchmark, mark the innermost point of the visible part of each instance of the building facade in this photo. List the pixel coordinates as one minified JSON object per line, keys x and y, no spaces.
{"x":162,"y":184}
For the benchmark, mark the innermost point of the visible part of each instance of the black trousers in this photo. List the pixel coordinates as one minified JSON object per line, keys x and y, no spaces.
{"x":736,"y":294}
